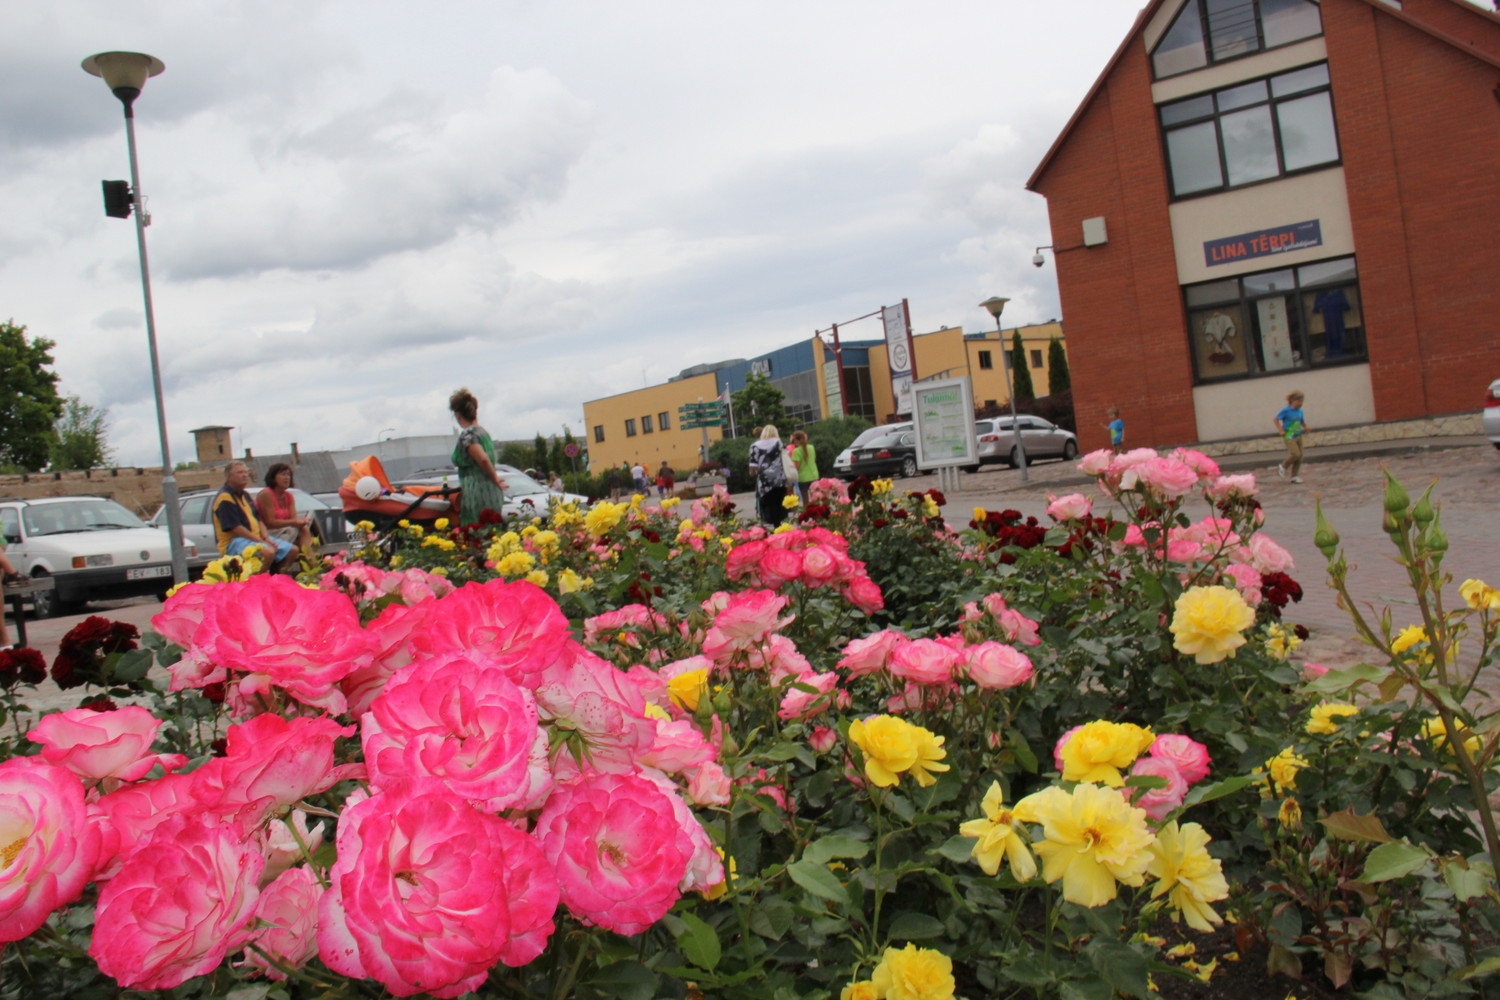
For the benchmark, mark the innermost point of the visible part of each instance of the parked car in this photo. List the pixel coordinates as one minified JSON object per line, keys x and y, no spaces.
{"x":91,"y":547}
{"x":891,"y":454}
{"x":1492,"y":413}
{"x":1041,"y":439}
{"x":845,"y":457}
{"x":523,"y":495}
{"x":198,"y":525}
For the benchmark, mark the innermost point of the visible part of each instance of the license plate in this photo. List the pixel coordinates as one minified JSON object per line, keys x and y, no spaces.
{"x":148,"y":572}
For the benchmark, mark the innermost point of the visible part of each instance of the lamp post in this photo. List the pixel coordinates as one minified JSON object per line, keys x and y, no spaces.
{"x":125,"y":73}
{"x":995,"y":305}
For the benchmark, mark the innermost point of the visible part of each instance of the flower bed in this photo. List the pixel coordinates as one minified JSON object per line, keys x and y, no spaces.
{"x":646,"y":752}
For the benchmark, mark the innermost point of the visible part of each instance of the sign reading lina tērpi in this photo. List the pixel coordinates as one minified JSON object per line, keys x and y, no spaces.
{"x":1263,"y":243}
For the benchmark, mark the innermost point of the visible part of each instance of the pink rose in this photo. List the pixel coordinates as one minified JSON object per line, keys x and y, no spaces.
{"x":103,"y":745}
{"x":705,"y":869}
{"x":743,"y":562}
{"x":458,"y":720}
{"x":822,"y":739}
{"x":779,"y":566}
{"x":271,"y":763}
{"x":183,"y":900}
{"x":428,"y":893}
{"x":286,"y":924}
{"x":1206,"y":468}
{"x":288,"y":842}
{"x":708,"y":785}
{"x":1226,"y":487}
{"x":871,"y":654}
{"x":129,"y":814}
{"x":924,"y":661}
{"x":1018,"y":628}
{"x":1166,"y":477}
{"x":180,"y":616}
{"x":1096,"y":463}
{"x":53,"y":847}
{"x":287,"y":637}
{"x":1057,"y":748}
{"x":994,"y":665}
{"x":1246,"y":580}
{"x":780,"y":657}
{"x":748,"y":617}
{"x":1158,"y":802}
{"x":1269,"y":557}
{"x":820,"y":565}
{"x":864,"y":593}
{"x":618,"y":849}
{"x":514,"y":627}
{"x":599,"y":705}
{"x":805,"y":704}
{"x":679,"y":746}
{"x":1312,"y":671}
{"x":1183,"y":547}
{"x":390,"y":636}
{"x":1185,"y":753}
{"x":1073,"y":507}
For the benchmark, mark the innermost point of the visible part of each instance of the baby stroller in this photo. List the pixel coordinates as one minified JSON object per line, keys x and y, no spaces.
{"x":368,"y":496}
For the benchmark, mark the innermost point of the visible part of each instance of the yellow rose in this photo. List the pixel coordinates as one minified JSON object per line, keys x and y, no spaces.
{"x":670,"y":502}
{"x":1407,"y":638}
{"x":892,"y":746}
{"x":1187,"y":874}
{"x":365,"y":526}
{"x":1434,"y":732}
{"x":863,"y":990}
{"x":929,"y":507}
{"x":603,"y":516}
{"x":1325,"y":717}
{"x":996,"y":836}
{"x":441,"y":524}
{"x":568,"y":582}
{"x":1281,"y":641}
{"x":1093,"y":839}
{"x":791,"y":501}
{"x":515,"y":564}
{"x":1479,"y":595}
{"x":687,"y":688}
{"x":1099,"y":750}
{"x":1290,"y":814}
{"x":1283,"y":769}
{"x":537,"y":577}
{"x":914,"y":973}
{"x":880,"y":487}
{"x":1208,"y":622}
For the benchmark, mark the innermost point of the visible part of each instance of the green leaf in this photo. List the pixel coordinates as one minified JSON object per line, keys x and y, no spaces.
{"x":818,"y":880}
{"x":626,"y":980}
{"x":1467,"y":883}
{"x":1024,"y":755}
{"x":825,"y":849}
{"x":916,"y":926}
{"x":771,"y":918}
{"x":1488,"y":967}
{"x":1028,"y":972}
{"x":957,"y":848}
{"x":1349,"y":825}
{"x":781,"y":752}
{"x":131,"y":665}
{"x":1338,"y":681}
{"x":1216,"y":790}
{"x":1394,"y":860}
{"x":1090,"y":988}
{"x":1124,"y":968}
{"x":699,"y":942}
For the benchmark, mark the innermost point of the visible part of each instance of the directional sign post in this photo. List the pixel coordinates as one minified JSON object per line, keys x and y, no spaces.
{"x":704,"y":415}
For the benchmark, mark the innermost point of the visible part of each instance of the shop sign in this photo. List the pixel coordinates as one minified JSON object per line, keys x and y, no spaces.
{"x":1263,"y":243}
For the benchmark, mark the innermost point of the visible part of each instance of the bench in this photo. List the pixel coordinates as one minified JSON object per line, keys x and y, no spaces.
{"x":20,"y":594}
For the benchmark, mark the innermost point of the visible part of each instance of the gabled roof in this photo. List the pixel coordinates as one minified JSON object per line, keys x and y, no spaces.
{"x":1149,"y":11}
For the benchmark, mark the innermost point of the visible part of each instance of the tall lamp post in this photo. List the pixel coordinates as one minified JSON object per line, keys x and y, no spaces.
{"x":126,"y":73}
{"x":995,"y":305}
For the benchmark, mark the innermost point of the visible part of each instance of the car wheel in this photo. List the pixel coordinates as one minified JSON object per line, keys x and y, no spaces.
{"x":46,"y":603}
{"x":971,"y":469}
{"x":1015,"y":458}
{"x":1070,"y":450}
{"x":908,"y":467}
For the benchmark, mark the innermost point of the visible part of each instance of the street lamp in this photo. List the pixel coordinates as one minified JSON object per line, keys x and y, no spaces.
{"x":995,"y":305}
{"x":126,"y":73}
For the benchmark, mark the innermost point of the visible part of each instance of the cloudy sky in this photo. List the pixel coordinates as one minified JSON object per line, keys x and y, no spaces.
{"x":359,"y":206}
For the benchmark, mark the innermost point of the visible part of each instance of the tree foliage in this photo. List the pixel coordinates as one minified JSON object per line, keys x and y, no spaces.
{"x":1058,"y":376}
{"x":82,"y":440}
{"x":758,"y":404}
{"x":1020,"y":371}
{"x":29,"y":404}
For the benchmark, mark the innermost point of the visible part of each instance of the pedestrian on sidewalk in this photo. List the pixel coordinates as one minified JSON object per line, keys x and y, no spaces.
{"x":1116,"y":428}
{"x":11,"y":576}
{"x":1292,"y":424}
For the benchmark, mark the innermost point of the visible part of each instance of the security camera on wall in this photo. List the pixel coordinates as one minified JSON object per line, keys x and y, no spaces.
{"x":1039,"y":260}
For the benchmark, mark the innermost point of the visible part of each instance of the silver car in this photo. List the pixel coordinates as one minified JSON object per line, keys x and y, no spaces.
{"x":1492,"y":413}
{"x":1041,"y":439}
{"x":198,"y":522}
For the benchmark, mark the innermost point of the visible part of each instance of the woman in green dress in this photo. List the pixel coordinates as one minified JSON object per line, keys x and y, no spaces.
{"x":474,"y":454}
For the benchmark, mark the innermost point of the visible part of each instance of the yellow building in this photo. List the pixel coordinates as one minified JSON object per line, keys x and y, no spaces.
{"x":643,"y":425}
{"x":950,"y":353}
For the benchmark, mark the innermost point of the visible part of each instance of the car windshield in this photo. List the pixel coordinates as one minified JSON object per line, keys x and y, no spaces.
{"x":518,"y":483}
{"x":77,"y":515}
{"x":866,"y":436}
{"x":886,"y":440}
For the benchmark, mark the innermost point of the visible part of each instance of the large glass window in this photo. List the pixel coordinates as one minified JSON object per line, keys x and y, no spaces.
{"x":1273,"y":321}
{"x":1250,"y":132}
{"x":1211,"y":31}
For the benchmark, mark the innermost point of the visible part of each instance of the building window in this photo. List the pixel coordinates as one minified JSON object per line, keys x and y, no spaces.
{"x":663,"y":420}
{"x":598,"y":433}
{"x":646,"y":424}
{"x":1276,"y":321}
{"x":1250,"y":132}
{"x":630,"y":428}
{"x":1212,"y":31}
{"x":985,"y":361}
{"x":1036,"y":358}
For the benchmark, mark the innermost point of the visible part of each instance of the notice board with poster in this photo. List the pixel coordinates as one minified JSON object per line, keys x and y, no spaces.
{"x":943,"y":410}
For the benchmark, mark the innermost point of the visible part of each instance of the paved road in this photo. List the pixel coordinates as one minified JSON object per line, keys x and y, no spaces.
{"x":1350,"y":485}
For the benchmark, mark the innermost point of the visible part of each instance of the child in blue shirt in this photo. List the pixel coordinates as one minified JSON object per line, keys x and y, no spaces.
{"x":1116,"y":428}
{"x":1292,"y":424}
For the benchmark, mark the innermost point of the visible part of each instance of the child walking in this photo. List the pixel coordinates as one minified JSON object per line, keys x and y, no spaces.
{"x":1292,"y":424}
{"x":1116,"y":428}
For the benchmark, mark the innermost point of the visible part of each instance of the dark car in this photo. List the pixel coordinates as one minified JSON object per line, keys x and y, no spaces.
{"x":892,"y":454}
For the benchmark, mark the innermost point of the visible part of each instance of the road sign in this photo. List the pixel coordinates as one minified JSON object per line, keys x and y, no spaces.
{"x":571,"y":449}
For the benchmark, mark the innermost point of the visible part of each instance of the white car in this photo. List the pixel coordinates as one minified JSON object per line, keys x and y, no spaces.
{"x":1492,"y":413}
{"x":92,"y":548}
{"x":524,"y":496}
{"x":846,"y":457}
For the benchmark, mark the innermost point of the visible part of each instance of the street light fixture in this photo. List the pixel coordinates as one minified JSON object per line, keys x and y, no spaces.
{"x":995,"y":305}
{"x":126,"y":73}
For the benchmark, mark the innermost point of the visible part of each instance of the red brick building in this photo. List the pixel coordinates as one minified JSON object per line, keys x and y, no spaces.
{"x":1262,"y":195}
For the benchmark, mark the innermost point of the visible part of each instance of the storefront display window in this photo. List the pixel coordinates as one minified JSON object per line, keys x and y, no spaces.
{"x":1275,"y":321}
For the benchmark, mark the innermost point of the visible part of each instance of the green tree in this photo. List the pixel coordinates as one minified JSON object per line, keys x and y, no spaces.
{"x":1058,"y":377}
{"x":29,"y":404}
{"x":539,"y":456}
{"x":82,"y":437}
{"x":1020,"y":371}
{"x":758,"y":404}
